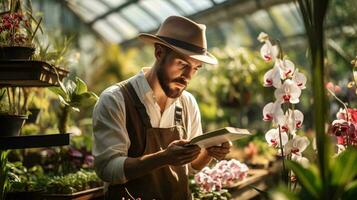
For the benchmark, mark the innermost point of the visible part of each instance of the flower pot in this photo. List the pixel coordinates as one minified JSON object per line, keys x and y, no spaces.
{"x":10,"y":125}
{"x":32,"y":118}
{"x":16,"y":53}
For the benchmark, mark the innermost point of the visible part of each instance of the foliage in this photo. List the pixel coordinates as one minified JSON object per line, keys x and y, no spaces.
{"x":15,"y":102}
{"x":57,"y":51}
{"x":233,"y":95}
{"x":313,"y":13}
{"x":17,"y":25}
{"x":341,"y":181}
{"x":34,"y":179}
{"x":113,"y":65}
{"x":70,"y":183}
{"x":4,"y":174}
{"x":23,"y":179}
{"x":73,"y":94}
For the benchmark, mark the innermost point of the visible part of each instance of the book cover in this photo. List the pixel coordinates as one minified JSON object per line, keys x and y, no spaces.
{"x":219,"y":136}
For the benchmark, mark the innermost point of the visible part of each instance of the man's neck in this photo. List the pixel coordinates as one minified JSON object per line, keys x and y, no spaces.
{"x":161,"y":98}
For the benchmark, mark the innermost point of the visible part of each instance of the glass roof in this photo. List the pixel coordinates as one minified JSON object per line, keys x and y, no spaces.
{"x":121,"y":20}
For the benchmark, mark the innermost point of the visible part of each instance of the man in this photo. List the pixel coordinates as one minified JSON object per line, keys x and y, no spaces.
{"x":141,"y":125}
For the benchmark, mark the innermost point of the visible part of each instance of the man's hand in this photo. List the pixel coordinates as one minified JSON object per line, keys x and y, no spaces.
{"x":177,"y":154}
{"x":219,"y":152}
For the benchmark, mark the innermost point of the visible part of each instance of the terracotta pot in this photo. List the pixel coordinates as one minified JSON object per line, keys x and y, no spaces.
{"x":16,"y":53}
{"x":10,"y":125}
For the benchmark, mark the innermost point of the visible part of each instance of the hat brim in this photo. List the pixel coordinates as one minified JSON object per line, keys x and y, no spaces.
{"x":206,"y":57}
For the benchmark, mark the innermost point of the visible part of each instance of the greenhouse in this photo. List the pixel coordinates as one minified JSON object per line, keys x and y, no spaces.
{"x":178,"y":99}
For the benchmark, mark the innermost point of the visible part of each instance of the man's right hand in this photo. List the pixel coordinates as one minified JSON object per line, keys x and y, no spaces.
{"x":178,"y":154}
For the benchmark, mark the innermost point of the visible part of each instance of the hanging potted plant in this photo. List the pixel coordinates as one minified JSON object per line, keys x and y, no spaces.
{"x":17,"y":31}
{"x":13,"y":111}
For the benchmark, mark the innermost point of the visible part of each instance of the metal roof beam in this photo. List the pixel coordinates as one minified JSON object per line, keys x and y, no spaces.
{"x":117,"y":9}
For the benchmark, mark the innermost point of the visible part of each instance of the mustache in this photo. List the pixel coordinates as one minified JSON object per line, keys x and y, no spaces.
{"x":181,"y":81}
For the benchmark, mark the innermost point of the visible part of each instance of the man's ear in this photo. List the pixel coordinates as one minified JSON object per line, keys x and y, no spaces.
{"x":159,"y":51}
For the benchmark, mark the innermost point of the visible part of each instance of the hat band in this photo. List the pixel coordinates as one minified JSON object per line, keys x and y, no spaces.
{"x":183,"y":44}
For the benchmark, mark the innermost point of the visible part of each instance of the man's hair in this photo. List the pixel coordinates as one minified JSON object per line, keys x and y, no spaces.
{"x":166,"y":48}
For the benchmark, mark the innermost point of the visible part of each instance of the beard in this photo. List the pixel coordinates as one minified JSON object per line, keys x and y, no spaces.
{"x":165,"y":82}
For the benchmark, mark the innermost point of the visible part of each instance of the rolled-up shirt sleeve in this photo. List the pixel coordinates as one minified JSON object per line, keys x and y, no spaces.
{"x":111,"y":140}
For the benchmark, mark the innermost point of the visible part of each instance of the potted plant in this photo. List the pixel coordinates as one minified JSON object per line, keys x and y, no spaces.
{"x":72,"y":95}
{"x":17,"y":31}
{"x":13,"y":111}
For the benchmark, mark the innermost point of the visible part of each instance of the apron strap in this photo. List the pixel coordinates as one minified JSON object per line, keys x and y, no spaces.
{"x":181,"y":115}
{"x":128,"y":88}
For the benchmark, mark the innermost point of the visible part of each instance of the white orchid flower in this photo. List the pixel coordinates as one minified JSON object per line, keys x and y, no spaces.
{"x":289,"y":92}
{"x":293,"y":120}
{"x":286,"y":68}
{"x":272,"y":78}
{"x":273,"y":112}
{"x":301,"y":160}
{"x":299,"y":79}
{"x":297,"y":145}
{"x":272,"y":137}
{"x":268,"y":51}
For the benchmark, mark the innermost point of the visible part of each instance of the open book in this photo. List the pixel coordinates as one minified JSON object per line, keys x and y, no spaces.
{"x":217,"y":137}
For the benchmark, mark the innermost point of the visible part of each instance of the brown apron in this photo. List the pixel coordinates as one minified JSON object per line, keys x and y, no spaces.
{"x":169,"y":182}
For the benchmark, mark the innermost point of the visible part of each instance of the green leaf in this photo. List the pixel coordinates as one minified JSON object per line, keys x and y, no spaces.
{"x":344,"y":169}
{"x":350,"y":191}
{"x":84,"y":99}
{"x":81,"y":86}
{"x":308,"y":178}
{"x":62,"y":100}
{"x":59,"y":91}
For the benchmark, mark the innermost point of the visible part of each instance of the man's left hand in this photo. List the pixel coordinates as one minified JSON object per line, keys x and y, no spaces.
{"x":219,"y":152}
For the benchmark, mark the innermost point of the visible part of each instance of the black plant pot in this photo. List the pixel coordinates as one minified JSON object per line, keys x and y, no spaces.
{"x":10,"y":125}
{"x":32,"y":118}
{"x":16,"y":53}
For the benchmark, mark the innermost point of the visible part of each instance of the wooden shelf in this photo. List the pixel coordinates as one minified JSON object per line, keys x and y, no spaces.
{"x":29,"y":73}
{"x":34,"y":141}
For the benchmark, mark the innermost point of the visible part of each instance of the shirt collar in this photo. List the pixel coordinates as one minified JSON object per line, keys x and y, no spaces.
{"x":143,"y":88}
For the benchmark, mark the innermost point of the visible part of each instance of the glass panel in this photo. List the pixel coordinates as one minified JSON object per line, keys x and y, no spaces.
{"x":185,"y":5}
{"x":288,"y":19}
{"x":104,"y":29}
{"x":219,"y":1}
{"x":122,"y":26}
{"x":161,"y":9}
{"x":113,"y":3}
{"x":88,"y":9}
{"x":139,"y":18}
{"x":261,"y":21}
{"x":201,"y":5}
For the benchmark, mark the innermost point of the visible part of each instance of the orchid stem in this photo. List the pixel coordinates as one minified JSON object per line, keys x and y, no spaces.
{"x":282,"y":155}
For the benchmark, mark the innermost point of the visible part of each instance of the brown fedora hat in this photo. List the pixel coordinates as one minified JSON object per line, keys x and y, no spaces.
{"x":183,"y":36}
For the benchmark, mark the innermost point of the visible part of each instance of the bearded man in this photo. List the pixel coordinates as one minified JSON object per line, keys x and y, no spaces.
{"x":142,"y":124}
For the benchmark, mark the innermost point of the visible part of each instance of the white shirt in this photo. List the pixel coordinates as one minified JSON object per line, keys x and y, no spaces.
{"x":111,"y":140}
